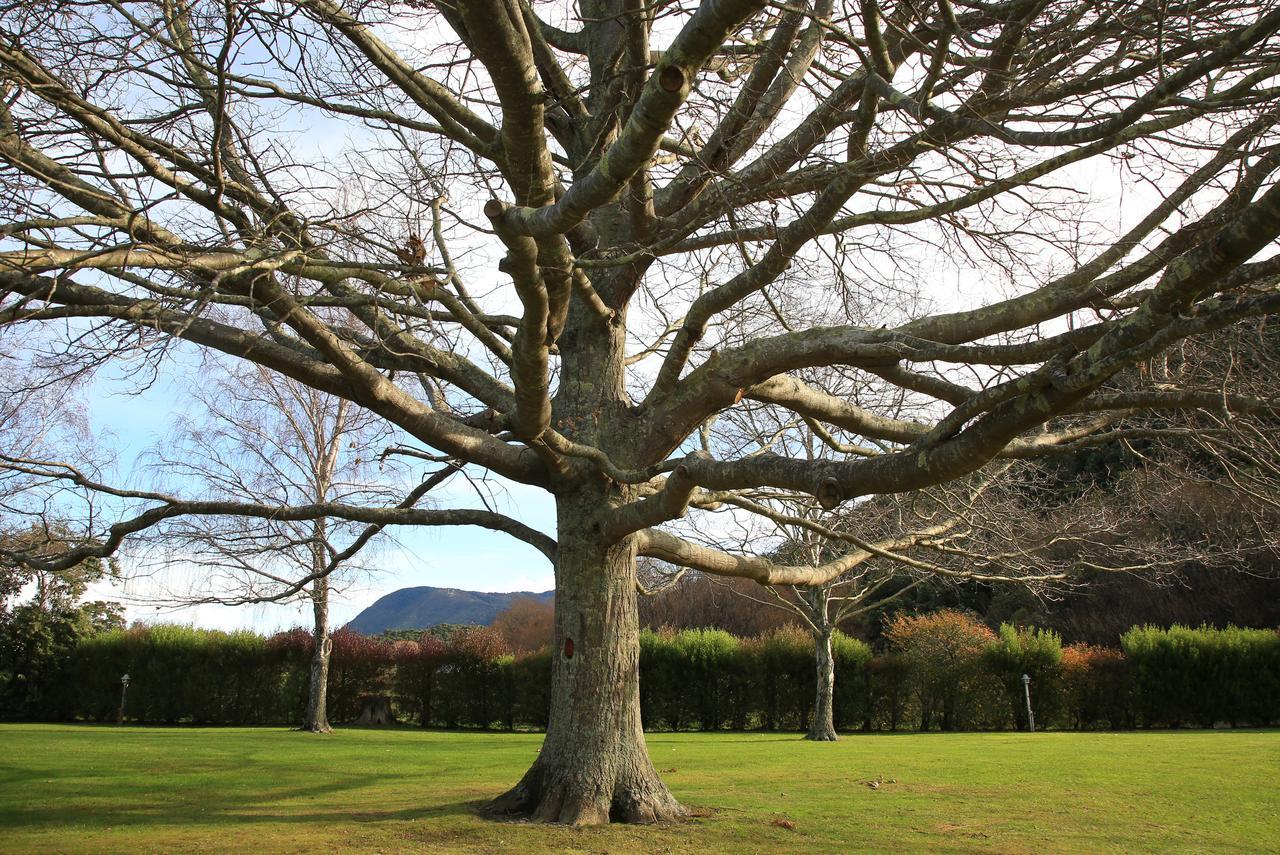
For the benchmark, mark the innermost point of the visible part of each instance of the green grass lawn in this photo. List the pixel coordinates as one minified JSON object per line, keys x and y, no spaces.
{"x":113,"y":789}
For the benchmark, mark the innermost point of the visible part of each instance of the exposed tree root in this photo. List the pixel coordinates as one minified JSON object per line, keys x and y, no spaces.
{"x":586,"y":799}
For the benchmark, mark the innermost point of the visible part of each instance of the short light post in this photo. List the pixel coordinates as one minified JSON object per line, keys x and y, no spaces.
{"x":1026,"y":690}
{"x":124,"y":691}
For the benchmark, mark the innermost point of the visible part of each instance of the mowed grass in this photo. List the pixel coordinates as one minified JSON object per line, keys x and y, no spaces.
{"x":134,"y":790}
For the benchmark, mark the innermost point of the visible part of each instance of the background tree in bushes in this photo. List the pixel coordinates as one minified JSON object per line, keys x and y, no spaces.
{"x":38,"y":633}
{"x":999,"y":527}
{"x":527,"y":625}
{"x":693,"y":600}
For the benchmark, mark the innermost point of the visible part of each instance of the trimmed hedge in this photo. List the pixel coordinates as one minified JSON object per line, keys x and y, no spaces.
{"x":1036,"y":653}
{"x":1183,"y":676}
{"x":178,"y":674}
{"x":939,"y":671}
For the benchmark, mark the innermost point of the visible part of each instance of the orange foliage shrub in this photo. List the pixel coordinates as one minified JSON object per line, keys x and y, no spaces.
{"x":944,"y":651}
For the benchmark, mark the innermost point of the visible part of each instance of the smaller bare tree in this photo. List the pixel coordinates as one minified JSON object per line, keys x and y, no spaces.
{"x":1003,"y":526}
{"x":268,"y":440}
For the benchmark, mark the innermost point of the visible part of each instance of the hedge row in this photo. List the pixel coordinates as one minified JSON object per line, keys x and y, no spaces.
{"x":1203,"y":676}
{"x":940,"y":671}
{"x":182,"y":674}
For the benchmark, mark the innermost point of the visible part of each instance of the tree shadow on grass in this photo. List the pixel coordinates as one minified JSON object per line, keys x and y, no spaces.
{"x":117,"y":816}
{"x":148,"y":802}
{"x":737,"y":737}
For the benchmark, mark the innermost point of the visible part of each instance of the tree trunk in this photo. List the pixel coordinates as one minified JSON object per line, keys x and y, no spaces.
{"x":428,"y":685}
{"x":317,"y":720}
{"x":375,"y":710}
{"x":594,"y":766}
{"x":823,"y":728}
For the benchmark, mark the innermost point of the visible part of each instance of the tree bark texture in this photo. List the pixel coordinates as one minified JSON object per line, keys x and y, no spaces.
{"x":594,"y":766}
{"x":375,"y":710}
{"x":317,"y":720}
{"x":823,"y":728}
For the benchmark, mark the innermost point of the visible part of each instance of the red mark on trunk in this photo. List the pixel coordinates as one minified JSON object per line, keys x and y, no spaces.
{"x":568,"y":648}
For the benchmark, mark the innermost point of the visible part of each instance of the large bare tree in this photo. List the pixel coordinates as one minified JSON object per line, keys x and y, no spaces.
{"x":567,"y":236}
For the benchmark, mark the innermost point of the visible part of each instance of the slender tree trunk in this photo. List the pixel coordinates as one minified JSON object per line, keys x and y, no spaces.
{"x":322,"y":480}
{"x":822,"y":728}
{"x":427,"y":686}
{"x":594,"y":766}
{"x":317,"y":720}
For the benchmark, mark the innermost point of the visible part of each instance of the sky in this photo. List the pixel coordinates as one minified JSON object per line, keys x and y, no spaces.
{"x":475,"y":559}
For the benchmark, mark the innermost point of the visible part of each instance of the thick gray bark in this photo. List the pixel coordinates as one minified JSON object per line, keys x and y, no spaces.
{"x":594,"y":766}
{"x":823,"y":727}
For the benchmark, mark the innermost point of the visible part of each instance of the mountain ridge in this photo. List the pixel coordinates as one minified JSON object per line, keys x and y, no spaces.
{"x":425,"y":606}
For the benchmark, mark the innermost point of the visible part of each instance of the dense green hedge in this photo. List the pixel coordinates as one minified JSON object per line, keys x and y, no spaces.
{"x":1037,"y":654}
{"x":180,"y":674}
{"x":1202,"y":676}
{"x":940,"y":671}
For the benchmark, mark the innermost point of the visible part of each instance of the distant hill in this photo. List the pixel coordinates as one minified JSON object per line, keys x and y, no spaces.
{"x":425,"y":607}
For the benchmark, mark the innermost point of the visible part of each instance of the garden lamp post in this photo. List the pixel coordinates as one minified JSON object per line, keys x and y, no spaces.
{"x":124,"y":690}
{"x":1026,"y":690}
